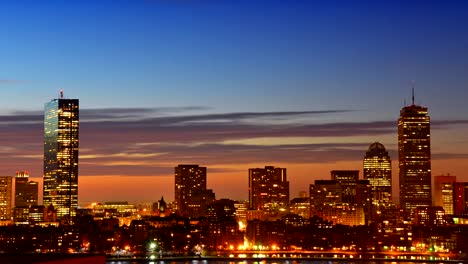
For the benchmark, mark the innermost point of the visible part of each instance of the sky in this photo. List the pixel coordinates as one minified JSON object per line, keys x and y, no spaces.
{"x":231,"y":85}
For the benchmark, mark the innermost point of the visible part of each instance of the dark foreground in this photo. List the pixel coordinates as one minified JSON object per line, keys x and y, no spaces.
{"x":308,"y":260}
{"x":52,"y":259}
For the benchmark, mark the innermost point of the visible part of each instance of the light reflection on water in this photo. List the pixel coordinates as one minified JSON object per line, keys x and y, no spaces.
{"x":254,"y":262}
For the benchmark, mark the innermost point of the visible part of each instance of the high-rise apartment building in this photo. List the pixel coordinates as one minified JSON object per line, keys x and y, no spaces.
{"x":61,"y":156}
{"x":414,"y":155}
{"x":444,"y":192}
{"x":6,"y":183}
{"x":190,"y":181}
{"x":268,"y":189}
{"x":26,"y":192}
{"x":378,"y":171}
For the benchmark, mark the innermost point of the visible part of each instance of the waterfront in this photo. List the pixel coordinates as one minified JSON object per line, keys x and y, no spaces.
{"x":268,"y":261}
{"x":310,"y":259}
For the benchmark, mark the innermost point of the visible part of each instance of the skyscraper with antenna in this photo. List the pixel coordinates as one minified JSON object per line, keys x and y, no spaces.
{"x":61,"y":156}
{"x":414,"y":156}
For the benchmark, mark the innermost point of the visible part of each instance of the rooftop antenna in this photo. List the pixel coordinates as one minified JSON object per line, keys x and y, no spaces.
{"x":61,"y":93}
{"x":412,"y":88}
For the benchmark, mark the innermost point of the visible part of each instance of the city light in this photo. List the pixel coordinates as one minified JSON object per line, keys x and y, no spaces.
{"x":248,"y":131}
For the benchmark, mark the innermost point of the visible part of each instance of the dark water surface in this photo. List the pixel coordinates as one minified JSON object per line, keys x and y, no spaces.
{"x":271,"y":261}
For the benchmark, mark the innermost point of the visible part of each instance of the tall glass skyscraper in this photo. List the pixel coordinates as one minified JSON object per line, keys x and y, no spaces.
{"x":414,"y":155}
{"x":61,"y":156}
{"x":378,"y":170}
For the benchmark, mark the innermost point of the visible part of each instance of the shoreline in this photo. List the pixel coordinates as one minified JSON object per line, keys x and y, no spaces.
{"x":237,"y":259}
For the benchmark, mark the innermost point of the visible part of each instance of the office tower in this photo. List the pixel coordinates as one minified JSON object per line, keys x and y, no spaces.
{"x":363,"y":198}
{"x":6,"y":183}
{"x":26,"y":192}
{"x":189,"y":180}
{"x":324,"y":193}
{"x":347,"y":179}
{"x":344,"y":214}
{"x":269,"y":190}
{"x":429,"y":216}
{"x":241,"y":214}
{"x":344,"y":176}
{"x":460,"y":193}
{"x":326,"y":201}
{"x":378,"y":170}
{"x":221,"y":210}
{"x":300,"y":206}
{"x":414,"y":155}
{"x":61,"y":156}
{"x":344,"y":195}
{"x":197,"y":203}
{"x":443,"y":192}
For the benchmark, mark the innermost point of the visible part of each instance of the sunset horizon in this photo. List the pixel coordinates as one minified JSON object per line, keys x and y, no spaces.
{"x":230,"y":86}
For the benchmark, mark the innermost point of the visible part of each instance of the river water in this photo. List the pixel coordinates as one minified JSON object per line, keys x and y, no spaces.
{"x":273,"y":261}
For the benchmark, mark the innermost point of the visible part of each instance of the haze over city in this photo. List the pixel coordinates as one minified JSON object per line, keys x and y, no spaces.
{"x":305,"y":86}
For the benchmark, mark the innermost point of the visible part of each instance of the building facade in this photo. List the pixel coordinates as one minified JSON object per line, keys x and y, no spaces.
{"x":444,"y":192}
{"x":26,"y":192}
{"x":429,"y":216}
{"x":344,"y":214}
{"x":378,"y":171}
{"x":324,"y":193}
{"x":189,"y":181}
{"x":347,"y":179}
{"x":414,"y":157}
{"x":6,"y":184}
{"x":61,"y":130}
{"x":268,"y":189}
{"x":198,"y":203}
{"x":343,"y":196}
{"x":460,"y":192}
{"x":300,"y":206}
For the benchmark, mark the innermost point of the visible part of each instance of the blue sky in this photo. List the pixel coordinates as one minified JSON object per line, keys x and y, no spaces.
{"x":239,"y":56}
{"x":259,"y":55}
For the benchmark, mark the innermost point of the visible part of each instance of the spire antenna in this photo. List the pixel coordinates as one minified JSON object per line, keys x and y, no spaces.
{"x":412,"y":88}
{"x":61,"y":93}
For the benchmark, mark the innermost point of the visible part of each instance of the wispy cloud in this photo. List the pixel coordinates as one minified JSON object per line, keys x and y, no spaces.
{"x":9,"y":81}
{"x":150,"y":141}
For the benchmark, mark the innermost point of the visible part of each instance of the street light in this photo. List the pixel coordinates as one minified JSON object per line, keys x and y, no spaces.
{"x":152,"y":246}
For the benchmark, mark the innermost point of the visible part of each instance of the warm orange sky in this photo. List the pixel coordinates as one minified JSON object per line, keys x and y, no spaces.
{"x":230,"y":180}
{"x":129,"y":154}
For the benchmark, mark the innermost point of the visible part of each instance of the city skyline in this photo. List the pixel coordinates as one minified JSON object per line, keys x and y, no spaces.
{"x":354,"y":166}
{"x":230,"y":87}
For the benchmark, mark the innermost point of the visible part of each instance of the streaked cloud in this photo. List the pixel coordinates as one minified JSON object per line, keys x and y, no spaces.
{"x":151,"y":141}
